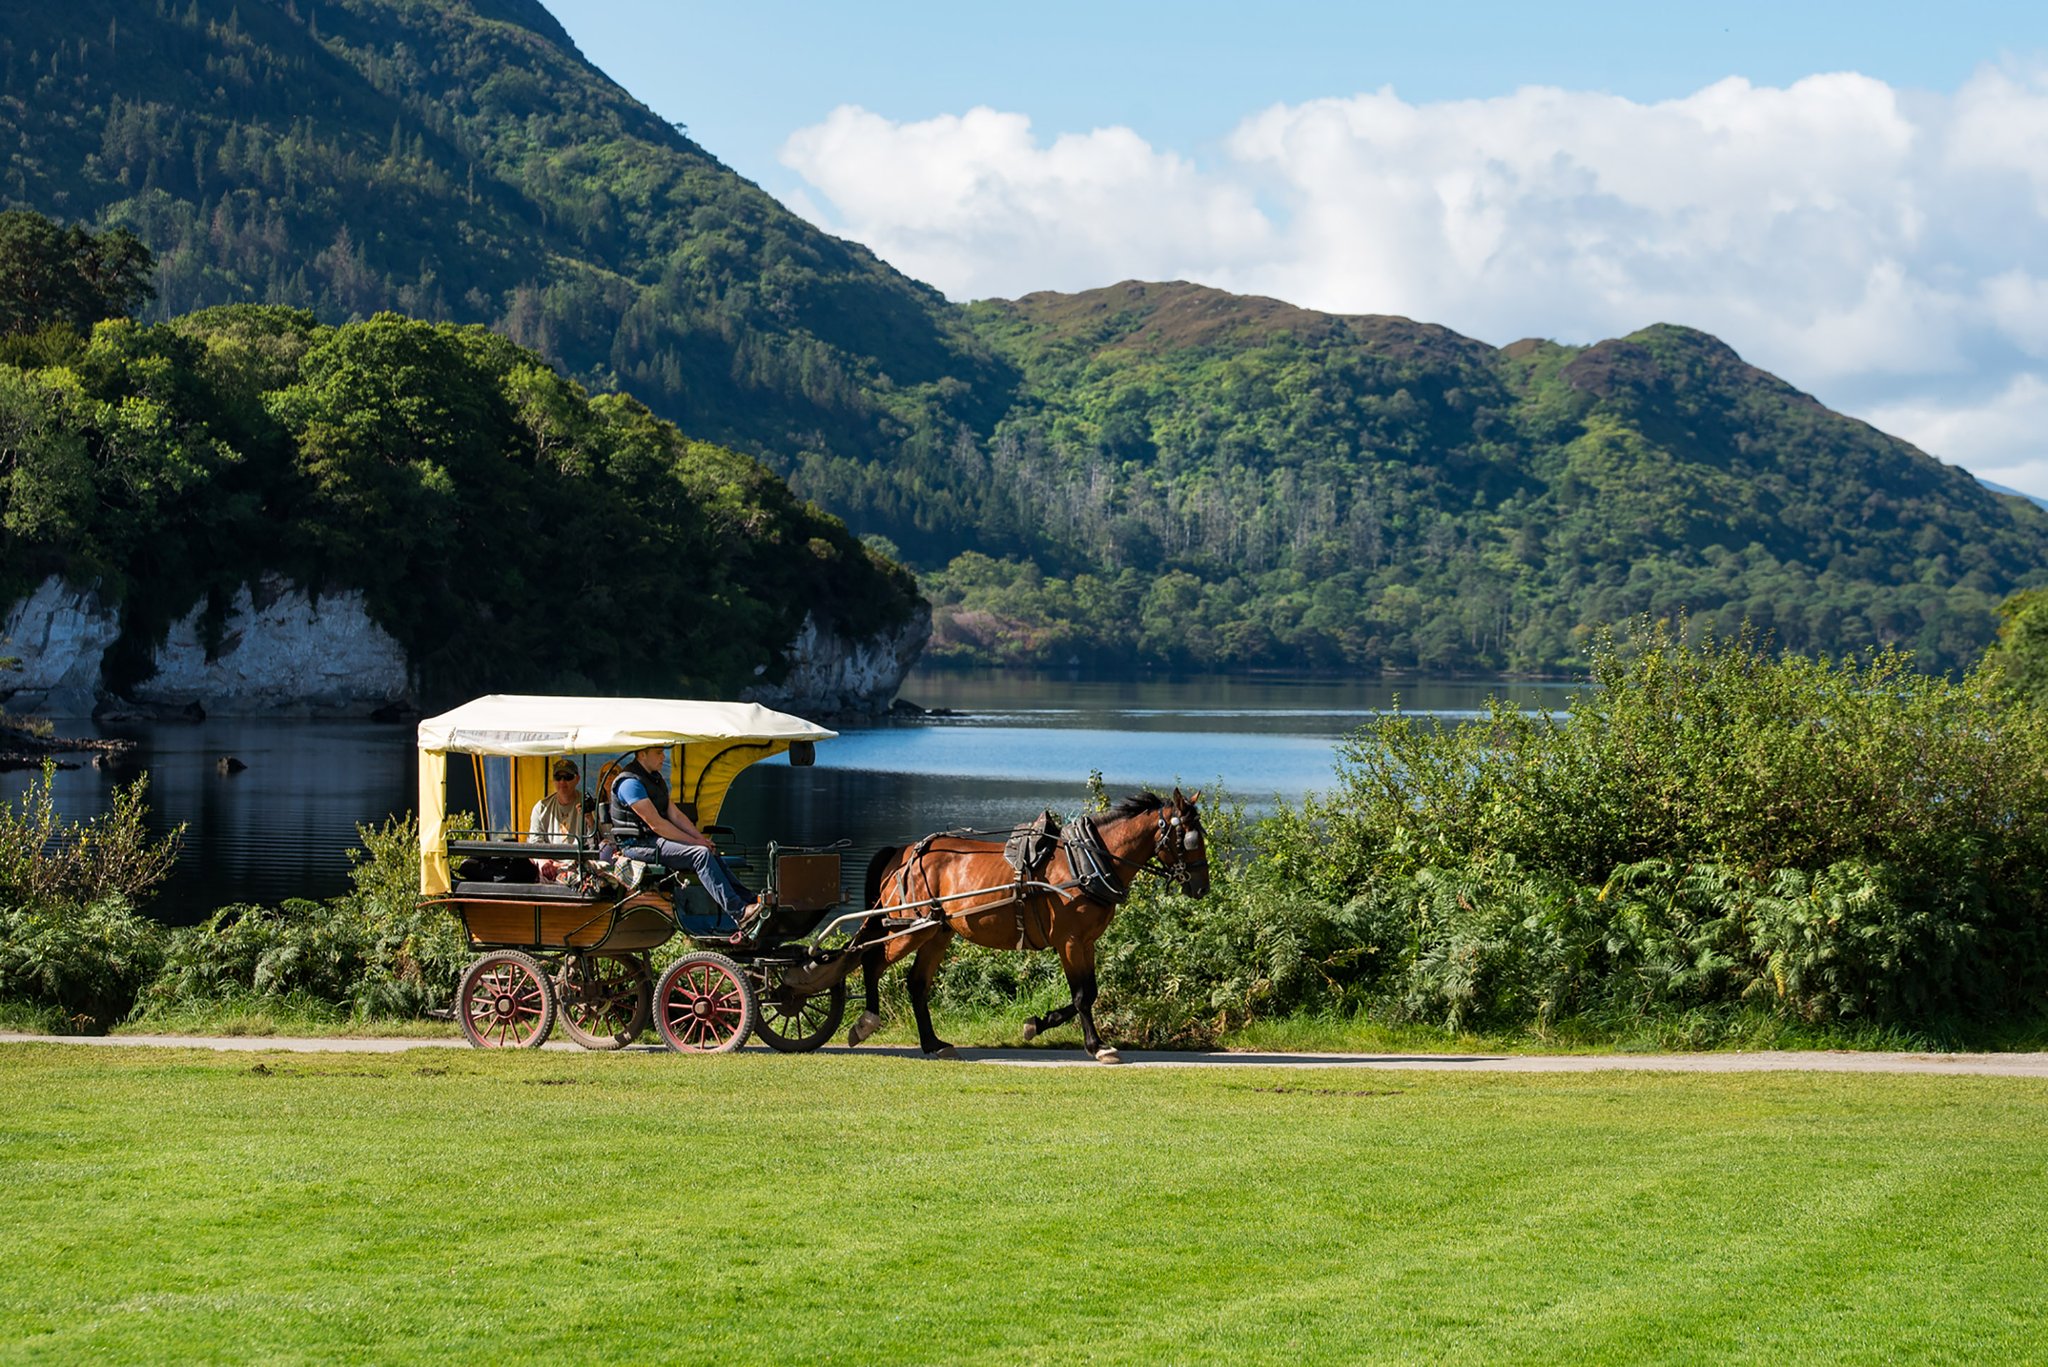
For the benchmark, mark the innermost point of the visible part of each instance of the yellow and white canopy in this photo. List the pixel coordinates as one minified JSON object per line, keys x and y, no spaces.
{"x":709,"y":744}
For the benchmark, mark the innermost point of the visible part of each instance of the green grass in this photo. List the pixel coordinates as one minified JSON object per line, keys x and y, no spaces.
{"x":1307,"y":1032}
{"x":1693,"y":1031}
{"x":436,"y":1206}
{"x":296,"y":1015}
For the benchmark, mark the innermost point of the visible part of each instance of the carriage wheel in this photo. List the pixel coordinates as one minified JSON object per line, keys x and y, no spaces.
{"x":796,"y":1025}
{"x":605,"y":999}
{"x":505,"y":1002}
{"x":704,"y":1005}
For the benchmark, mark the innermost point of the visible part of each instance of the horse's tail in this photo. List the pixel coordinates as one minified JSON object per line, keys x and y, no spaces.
{"x":878,"y":869}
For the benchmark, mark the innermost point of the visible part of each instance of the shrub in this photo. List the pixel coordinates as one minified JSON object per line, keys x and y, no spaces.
{"x":73,"y":941}
{"x":47,"y":860}
{"x":87,"y":962}
{"x":1179,"y":971}
{"x":1705,"y":826}
{"x":374,"y":951}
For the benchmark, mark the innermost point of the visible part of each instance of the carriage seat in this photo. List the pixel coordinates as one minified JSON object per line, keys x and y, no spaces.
{"x":528,"y":892}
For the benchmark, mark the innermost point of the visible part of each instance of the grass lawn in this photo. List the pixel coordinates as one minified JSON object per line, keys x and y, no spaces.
{"x":466,"y":1207}
{"x":1306,"y":1032}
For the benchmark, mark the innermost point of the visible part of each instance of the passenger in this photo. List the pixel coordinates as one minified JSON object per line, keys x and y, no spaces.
{"x":561,"y":817}
{"x":649,"y":827}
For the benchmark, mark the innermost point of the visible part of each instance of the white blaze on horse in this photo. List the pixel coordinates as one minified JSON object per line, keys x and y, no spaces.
{"x":947,"y":886}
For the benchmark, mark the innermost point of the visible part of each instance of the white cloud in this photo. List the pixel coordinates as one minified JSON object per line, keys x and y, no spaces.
{"x":2007,"y":432}
{"x":975,"y":205}
{"x":1883,"y":248}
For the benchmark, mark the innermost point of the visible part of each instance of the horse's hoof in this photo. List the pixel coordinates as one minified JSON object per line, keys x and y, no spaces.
{"x":868,"y":1023}
{"x":1107,"y":1054}
{"x":944,"y":1051}
{"x":1030,"y":1030}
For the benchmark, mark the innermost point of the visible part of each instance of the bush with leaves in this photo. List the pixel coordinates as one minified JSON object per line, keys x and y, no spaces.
{"x":1177,"y":970}
{"x":374,"y":951}
{"x":72,"y":938}
{"x":1706,"y":826}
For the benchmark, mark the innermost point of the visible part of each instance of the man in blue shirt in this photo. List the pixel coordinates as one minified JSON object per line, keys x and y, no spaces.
{"x":649,"y":827}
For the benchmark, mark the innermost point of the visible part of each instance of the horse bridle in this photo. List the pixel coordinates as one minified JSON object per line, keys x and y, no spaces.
{"x":1183,"y":839}
{"x":1172,"y":832}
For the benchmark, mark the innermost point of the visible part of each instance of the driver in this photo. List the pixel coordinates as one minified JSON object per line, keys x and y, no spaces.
{"x":649,"y":827}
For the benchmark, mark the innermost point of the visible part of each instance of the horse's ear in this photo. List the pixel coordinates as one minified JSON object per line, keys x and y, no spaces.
{"x":1177,"y":798}
{"x":1196,"y":798}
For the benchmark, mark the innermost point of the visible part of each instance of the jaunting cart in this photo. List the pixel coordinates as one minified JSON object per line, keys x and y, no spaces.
{"x":579,"y":951}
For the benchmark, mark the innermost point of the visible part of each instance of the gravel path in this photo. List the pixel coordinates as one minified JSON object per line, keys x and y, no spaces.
{"x":1999,"y":1065}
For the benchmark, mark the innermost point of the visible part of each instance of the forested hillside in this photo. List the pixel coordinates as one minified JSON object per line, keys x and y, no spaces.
{"x":463,"y":162}
{"x":1206,"y":479}
{"x":509,"y":530}
{"x":1144,"y":474}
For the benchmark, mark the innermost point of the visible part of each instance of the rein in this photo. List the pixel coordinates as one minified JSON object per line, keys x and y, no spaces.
{"x":1084,"y":844}
{"x":1177,"y":872}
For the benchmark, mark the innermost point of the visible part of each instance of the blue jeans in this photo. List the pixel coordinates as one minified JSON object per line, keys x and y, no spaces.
{"x":701,"y":860}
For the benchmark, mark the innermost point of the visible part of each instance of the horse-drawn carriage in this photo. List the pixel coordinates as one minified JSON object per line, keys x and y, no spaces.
{"x":576,"y":946}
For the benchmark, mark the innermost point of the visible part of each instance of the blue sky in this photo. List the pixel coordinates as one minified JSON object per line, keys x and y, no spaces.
{"x":1853,"y":196}
{"x":745,"y":76}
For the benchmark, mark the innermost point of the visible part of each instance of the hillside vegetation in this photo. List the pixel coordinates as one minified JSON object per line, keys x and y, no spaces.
{"x":1157,"y":474}
{"x":462,"y":162}
{"x":1196,"y":478}
{"x":510,"y":530}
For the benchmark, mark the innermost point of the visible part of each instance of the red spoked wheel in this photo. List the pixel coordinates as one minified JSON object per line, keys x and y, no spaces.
{"x":505,"y":1002}
{"x":794,"y":1024}
{"x":605,"y":999}
{"x":704,"y":1005}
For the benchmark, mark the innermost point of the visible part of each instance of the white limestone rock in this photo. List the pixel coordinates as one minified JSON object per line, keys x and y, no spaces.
{"x":830,"y":673}
{"x":281,"y":653}
{"x":59,"y":633}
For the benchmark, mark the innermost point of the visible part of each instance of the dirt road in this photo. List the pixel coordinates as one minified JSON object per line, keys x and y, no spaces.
{"x":1999,"y":1065}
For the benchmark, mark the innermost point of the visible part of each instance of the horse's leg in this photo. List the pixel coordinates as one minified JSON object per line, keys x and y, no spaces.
{"x":1053,"y":1019}
{"x":1077,"y":956}
{"x":922,"y":972}
{"x":873,"y":961}
{"x":871,"y":969}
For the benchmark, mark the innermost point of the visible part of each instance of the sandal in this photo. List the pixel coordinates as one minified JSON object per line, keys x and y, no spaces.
{"x":749,"y":916}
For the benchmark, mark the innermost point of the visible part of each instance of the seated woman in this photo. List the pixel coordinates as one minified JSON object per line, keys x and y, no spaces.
{"x":649,"y":827}
{"x":561,"y":817}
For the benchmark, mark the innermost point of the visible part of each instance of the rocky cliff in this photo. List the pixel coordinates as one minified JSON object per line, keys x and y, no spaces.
{"x":831,"y":674}
{"x":281,"y":652}
{"x":57,"y":635}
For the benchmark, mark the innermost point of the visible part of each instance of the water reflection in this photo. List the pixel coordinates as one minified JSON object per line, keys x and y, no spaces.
{"x":285,"y":825}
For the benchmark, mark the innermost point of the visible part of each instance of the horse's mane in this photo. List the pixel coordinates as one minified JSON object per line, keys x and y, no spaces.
{"x":1137,"y":803}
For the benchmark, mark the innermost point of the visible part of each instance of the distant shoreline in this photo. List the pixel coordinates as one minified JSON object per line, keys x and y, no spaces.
{"x":25,"y":746}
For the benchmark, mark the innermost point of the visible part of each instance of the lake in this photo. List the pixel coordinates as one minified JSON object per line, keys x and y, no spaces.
{"x":283,"y":826}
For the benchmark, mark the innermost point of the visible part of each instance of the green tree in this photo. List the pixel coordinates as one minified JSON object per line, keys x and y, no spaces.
{"x":57,"y":275}
{"x":2018,"y":659}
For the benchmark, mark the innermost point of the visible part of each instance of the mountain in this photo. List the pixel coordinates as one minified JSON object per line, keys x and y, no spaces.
{"x":463,"y":162}
{"x":1210,"y":479}
{"x":1155,"y":474}
{"x":1997,"y":488}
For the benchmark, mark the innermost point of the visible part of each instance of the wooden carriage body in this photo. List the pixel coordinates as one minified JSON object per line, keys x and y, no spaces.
{"x":582,"y":945}
{"x":542,"y":924}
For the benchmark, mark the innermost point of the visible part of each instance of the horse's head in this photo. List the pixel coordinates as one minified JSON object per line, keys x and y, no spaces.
{"x":1183,"y":849}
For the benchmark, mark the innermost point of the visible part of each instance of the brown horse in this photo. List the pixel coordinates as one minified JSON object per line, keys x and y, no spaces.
{"x":966,"y":888}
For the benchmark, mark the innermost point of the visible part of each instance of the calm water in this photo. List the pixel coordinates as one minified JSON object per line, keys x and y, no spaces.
{"x":284,"y":826}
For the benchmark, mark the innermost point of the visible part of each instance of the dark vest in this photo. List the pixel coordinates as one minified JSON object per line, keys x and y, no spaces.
{"x":627,"y":827}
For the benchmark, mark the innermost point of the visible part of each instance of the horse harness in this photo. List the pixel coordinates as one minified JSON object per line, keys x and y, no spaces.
{"x":1028,"y":851}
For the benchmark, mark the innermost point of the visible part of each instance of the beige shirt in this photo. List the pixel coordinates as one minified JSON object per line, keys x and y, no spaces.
{"x":556,"y":823}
